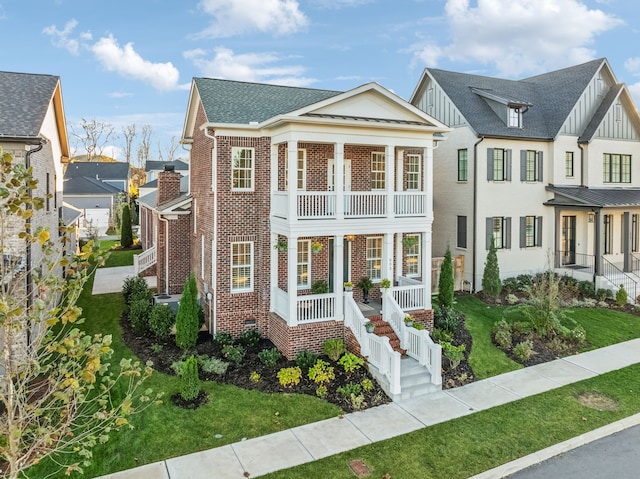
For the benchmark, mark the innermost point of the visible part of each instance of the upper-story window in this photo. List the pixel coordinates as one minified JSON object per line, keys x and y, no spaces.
{"x":413,"y":172}
{"x":515,"y":117}
{"x":498,"y":164}
{"x":568,"y":164}
{"x":378,"y":170}
{"x":616,"y":168}
{"x":242,"y":160}
{"x":463,"y":165}
{"x":301,"y":169}
{"x":530,"y":165}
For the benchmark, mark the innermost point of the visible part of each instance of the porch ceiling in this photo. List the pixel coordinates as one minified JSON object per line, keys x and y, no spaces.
{"x":593,"y":197}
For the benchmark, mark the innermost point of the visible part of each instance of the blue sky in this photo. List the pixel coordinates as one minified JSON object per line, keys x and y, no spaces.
{"x":132,"y":62}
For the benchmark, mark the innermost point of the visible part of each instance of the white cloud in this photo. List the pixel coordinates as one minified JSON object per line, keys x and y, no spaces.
{"x":61,"y":38}
{"x":120,"y":94}
{"x":233,"y":17}
{"x":253,"y":67}
{"x":519,"y":36}
{"x":127,"y":62}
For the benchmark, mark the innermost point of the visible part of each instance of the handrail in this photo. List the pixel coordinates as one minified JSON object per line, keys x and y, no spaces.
{"x":144,"y":260}
{"x":617,"y":277}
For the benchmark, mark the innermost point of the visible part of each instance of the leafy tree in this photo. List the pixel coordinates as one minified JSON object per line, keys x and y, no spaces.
{"x":491,"y":284}
{"x":187,"y":319}
{"x":59,"y":396}
{"x":126,"y":233}
{"x":446,"y":281}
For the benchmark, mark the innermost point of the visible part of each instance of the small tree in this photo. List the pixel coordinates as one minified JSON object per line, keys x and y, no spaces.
{"x":446,"y":281}
{"x":126,"y":233}
{"x":188,"y":317}
{"x":491,"y":284}
{"x":190,"y":384}
{"x":621,"y":296}
{"x":544,"y":306}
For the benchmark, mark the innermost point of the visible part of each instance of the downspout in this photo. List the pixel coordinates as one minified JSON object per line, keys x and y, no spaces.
{"x":29,"y":278}
{"x":581,"y":164}
{"x":213,"y":325}
{"x":474,"y":267}
{"x":166,"y":253}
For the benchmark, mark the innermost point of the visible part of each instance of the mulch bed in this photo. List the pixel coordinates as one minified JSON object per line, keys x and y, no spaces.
{"x":462,"y":374}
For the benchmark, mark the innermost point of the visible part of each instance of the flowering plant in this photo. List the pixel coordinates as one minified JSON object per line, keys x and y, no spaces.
{"x":316,"y":246}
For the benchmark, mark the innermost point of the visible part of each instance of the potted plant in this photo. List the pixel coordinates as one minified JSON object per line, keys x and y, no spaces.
{"x":408,"y":320}
{"x":348,"y":286}
{"x":385,"y":283}
{"x":365,"y":284}
{"x":281,"y":245}
{"x":320,"y":287}
{"x":410,"y":241}
{"x":369,"y":326}
{"x":316,"y":247}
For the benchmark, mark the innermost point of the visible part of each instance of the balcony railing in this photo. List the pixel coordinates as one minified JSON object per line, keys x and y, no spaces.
{"x":311,"y":205}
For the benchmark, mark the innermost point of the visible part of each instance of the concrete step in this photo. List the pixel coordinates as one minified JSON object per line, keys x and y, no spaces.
{"x":415,"y":380}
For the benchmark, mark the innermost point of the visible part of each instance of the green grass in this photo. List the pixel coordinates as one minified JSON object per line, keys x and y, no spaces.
{"x":605,"y":327}
{"x":478,"y":442}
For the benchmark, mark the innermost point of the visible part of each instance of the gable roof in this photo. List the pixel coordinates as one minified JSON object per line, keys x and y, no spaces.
{"x":109,"y":170}
{"x":552,"y":96}
{"x":85,"y":185}
{"x":178,"y":165}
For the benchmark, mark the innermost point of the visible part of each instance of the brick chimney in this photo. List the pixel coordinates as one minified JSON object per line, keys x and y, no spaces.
{"x":168,"y":184}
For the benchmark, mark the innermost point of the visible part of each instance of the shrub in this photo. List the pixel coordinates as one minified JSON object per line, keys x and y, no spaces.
{"x":290,"y":377}
{"x":356,"y":401}
{"x":545,"y":310}
{"x":306,"y":359}
{"x":440,"y":335}
{"x":603,"y":293}
{"x":621,"y":296}
{"x":367,"y":384}
{"x":418,"y":326}
{"x":350,"y":362}
{"x":187,"y":319}
{"x":557,"y":345}
{"x":213,"y":365}
{"x":586,"y":289}
{"x":520,"y":327}
{"x":161,"y":319}
{"x":446,"y":319}
{"x":491,"y":284}
{"x":139,"y":310}
{"x":350,"y":389}
{"x":577,"y":335}
{"x":322,"y":391}
{"x":177,"y":367}
{"x":269,"y":357}
{"x":502,"y":334}
{"x":249,"y":338}
{"x":254,"y":377}
{"x":320,"y":287}
{"x":135,"y":287}
{"x":510,"y":285}
{"x":334,"y":348}
{"x":321,"y":372}
{"x":524,"y":281}
{"x":446,"y":281}
{"x":190,"y":384}
{"x":522,"y":351}
{"x":512,"y":299}
{"x":455,"y":354}
{"x":126,"y":235}
{"x":223,"y":339}
{"x":233,"y":353}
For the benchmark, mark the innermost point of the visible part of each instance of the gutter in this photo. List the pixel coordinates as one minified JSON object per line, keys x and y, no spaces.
{"x":212,"y":297}
{"x":474,"y":266}
{"x":581,"y":164}
{"x":166,"y":253}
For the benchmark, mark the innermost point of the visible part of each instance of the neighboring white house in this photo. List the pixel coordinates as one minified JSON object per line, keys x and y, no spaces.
{"x":548,"y":167}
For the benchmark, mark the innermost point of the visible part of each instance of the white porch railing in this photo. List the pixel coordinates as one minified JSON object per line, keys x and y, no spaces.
{"x":144,"y":260}
{"x":377,"y":349}
{"x":364,"y":203}
{"x":410,"y":294}
{"x":319,"y":204}
{"x":409,"y":204}
{"x":418,"y":343}
{"x":309,"y":309}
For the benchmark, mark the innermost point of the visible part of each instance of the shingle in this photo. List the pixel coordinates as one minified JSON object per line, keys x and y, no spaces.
{"x":227,"y":101}
{"x":105,"y":170}
{"x":24,"y":99}
{"x":595,"y":197}
{"x":83,"y":185}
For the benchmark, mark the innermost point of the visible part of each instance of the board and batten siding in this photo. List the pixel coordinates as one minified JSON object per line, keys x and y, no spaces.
{"x":435,"y":102}
{"x":587,"y":105}
{"x":617,"y":124}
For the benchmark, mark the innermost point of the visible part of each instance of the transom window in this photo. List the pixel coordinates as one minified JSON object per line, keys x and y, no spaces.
{"x":303,"y":276}
{"x":242,"y":168}
{"x":412,"y":254}
{"x":378,"y":170}
{"x":374,"y":258}
{"x":413,"y":172}
{"x":463,"y":165}
{"x":616,"y":168}
{"x":241,"y":267}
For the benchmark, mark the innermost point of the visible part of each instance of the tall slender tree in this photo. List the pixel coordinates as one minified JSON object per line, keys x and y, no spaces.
{"x":446,"y":281}
{"x":188,"y":317}
{"x":491,"y":283}
{"x":126,"y":233}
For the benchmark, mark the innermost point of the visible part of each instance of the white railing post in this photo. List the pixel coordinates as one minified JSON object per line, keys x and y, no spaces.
{"x":136,"y":264}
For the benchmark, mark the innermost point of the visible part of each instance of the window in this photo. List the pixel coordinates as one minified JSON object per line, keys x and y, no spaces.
{"x":377,"y":170}
{"x":515,"y":117}
{"x":498,"y":164}
{"x":568,"y":164}
{"x":303,"y":276}
{"x":635,"y":237}
{"x":499,"y":232}
{"x":301,"y":168}
{"x":242,"y":168}
{"x":608,"y":234}
{"x":241,"y":267}
{"x":530,"y":165}
{"x":413,"y":172}
{"x":55,"y":193}
{"x":616,"y":168}
{"x":530,"y":231}
{"x":462,"y":232}
{"x":374,"y":258}
{"x":413,"y":256}
{"x":48,"y":193}
{"x":463,"y":165}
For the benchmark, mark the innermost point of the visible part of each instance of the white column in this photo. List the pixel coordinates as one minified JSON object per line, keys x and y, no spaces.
{"x":338,"y":276}
{"x":427,"y":185}
{"x":387,"y":256}
{"x":425,"y":267}
{"x":389,"y":178}
{"x":292,"y":171}
{"x":273,"y":273}
{"x":292,"y":273}
{"x":338,"y":181}
{"x":399,"y":169}
{"x":399,"y":251}
{"x":274,"y":168}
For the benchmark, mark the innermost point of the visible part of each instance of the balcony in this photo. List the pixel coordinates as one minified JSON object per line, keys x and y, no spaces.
{"x":313,"y":205}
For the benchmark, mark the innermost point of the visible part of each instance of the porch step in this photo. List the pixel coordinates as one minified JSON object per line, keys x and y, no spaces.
{"x":382,"y":328}
{"x":415,"y":380}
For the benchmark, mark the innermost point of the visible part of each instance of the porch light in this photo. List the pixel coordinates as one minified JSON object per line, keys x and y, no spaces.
{"x":592,"y":217}
{"x":349,"y":238}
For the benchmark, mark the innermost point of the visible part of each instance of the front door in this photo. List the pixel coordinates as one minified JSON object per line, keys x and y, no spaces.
{"x":331,"y":175}
{"x":345,"y":263}
{"x":568,"y":240}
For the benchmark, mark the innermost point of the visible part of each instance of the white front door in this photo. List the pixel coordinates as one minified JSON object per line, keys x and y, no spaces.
{"x":331,"y":175}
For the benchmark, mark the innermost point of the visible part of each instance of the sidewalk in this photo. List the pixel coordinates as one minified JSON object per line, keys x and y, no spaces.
{"x":110,"y":280}
{"x":310,"y":442}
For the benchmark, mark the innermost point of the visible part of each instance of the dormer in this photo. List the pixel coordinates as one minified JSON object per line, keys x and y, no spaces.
{"x":510,"y":110}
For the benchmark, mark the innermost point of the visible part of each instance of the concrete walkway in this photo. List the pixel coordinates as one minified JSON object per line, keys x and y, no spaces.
{"x":262,"y":455}
{"x":110,"y":280}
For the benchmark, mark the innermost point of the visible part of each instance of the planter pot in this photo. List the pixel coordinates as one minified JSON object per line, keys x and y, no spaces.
{"x":365,"y":296}
{"x":408,"y":324}
{"x":370,"y":329}
{"x":348,"y":288}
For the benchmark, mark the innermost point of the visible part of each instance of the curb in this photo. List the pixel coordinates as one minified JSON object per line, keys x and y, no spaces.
{"x":557,"y":449}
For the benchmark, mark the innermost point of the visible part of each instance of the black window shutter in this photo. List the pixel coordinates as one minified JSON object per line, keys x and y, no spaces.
{"x":523,"y":232}
{"x":523,"y":165}
{"x":489,"y":232}
{"x":490,"y":164}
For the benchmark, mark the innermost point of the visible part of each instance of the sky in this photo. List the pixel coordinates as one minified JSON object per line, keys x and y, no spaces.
{"x":124,"y":63}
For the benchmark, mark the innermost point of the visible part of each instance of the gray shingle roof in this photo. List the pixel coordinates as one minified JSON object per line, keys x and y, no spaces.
{"x":24,"y":99}
{"x":70,"y":213}
{"x":227,"y":101}
{"x":105,"y":170}
{"x":594,"y":197}
{"x":553,"y":96}
{"x":178,"y":165}
{"x":85,"y":185}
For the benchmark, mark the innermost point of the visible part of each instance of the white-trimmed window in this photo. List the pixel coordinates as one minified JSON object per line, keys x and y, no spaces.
{"x":304,"y":264}
{"x":242,"y":167}
{"x":412,"y":254}
{"x":374,"y":258}
{"x":301,"y":167}
{"x":499,"y":232}
{"x":568,"y":164}
{"x":463,"y":165}
{"x":378,"y":170}
{"x":530,"y":231}
{"x":515,"y":117}
{"x":242,"y":267}
{"x":616,"y":168}
{"x":413,"y":172}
